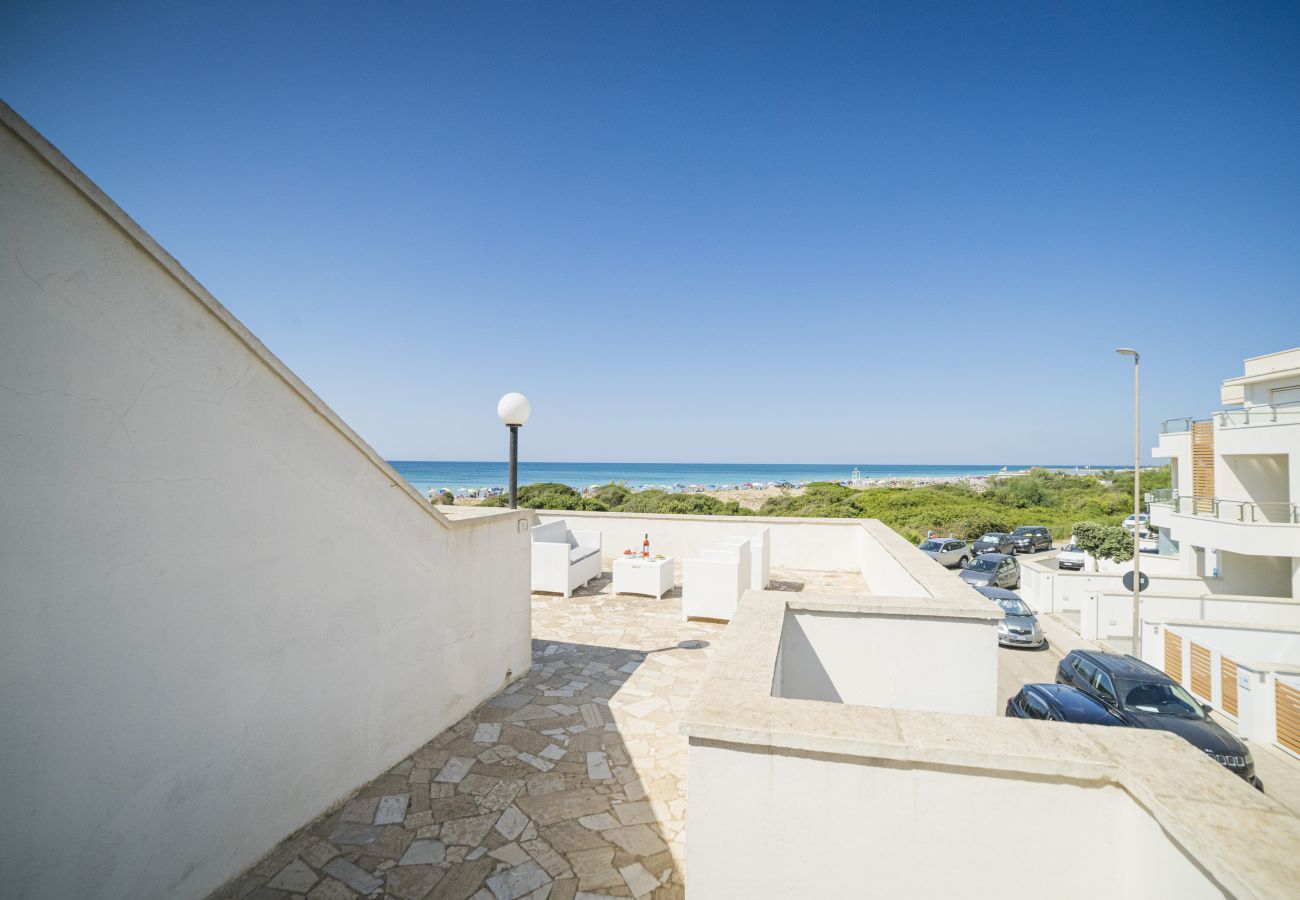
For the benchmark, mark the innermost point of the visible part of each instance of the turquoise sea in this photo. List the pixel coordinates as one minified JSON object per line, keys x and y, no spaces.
{"x":456,"y":476}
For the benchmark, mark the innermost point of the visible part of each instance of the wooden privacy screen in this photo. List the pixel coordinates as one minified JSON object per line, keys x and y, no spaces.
{"x":1288,"y":716}
{"x":1203,"y":466}
{"x":1228,"y":685}
{"x":1201,"y":671}
{"x":1173,"y":656}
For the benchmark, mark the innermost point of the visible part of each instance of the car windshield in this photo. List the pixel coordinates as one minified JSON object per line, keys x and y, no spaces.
{"x":993,"y":537}
{"x":1013,"y":607}
{"x":932,"y":545}
{"x":983,"y":564}
{"x":1072,"y":548}
{"x":1023,"y":531}
{"x":1162,"y":699}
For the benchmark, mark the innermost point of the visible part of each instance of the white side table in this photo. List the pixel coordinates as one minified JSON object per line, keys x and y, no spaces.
{"x":634,"y":575}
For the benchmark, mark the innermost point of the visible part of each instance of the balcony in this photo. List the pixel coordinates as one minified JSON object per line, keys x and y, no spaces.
{"x":1250,"y":416}
{"x":1251,"y":528}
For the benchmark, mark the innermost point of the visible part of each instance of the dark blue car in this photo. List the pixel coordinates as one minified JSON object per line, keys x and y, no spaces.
{"x":1060,"y":703}
{"x":1145,"y":697}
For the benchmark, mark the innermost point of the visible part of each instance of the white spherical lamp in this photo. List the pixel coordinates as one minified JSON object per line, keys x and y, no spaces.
{"x":514,"y":409}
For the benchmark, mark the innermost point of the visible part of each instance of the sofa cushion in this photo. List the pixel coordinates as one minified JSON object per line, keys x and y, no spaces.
{"x":573,"y":541}
{"x":577,"y":554}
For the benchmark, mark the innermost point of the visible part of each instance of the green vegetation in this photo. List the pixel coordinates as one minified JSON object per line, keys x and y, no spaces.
{"x":1040,"y":497}
{"x":617,"y":498}
{"x":1111,"y":542}
{"x":444,"y":498}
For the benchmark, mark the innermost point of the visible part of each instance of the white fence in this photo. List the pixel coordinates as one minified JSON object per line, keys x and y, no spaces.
{"x":1250,"y":673}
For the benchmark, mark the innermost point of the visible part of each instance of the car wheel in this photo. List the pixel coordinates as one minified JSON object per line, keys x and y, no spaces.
{"x":964,"y":562}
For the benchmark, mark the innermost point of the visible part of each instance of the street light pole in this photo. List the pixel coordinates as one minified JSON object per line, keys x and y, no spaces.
{"x":514,"y":410}
{"x":514,"y":466}
{"x":1137,"y":505}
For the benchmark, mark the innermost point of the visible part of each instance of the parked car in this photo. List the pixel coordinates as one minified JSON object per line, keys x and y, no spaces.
{"x":1145,"y":697}
{"x":1144,"y":519}
{"x":995,"y":542}
{"x":947,"y":551}
{"x":1019,"y":627}
{"x":1031,"y":539}
{"x":1061,"y":703}
{"x":992,"y":570}
{"x":1071,"y":558}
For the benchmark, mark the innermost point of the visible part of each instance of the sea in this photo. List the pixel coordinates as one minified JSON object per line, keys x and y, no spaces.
{"x":459,"y":476}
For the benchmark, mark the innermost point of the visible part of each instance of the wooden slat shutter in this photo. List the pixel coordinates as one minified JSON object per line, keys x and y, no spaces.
{"x":1201,"y":671}
{"x":1203,"y":466}
{"x":1288,"y":716}
{"x":1173,"y":656}
{"x":1228,"y":685}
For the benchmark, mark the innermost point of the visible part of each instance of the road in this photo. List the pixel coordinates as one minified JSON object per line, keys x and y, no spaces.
{"x":1018,"y":666}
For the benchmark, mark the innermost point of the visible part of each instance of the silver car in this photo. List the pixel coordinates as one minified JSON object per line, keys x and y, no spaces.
{"x":1019,"y":627}
{"x":947,"y":552}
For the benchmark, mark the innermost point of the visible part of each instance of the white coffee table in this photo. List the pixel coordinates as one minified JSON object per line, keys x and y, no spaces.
{"x":634,"y":575}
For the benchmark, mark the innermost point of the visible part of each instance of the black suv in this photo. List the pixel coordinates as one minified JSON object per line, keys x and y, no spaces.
{"x":1061,"y":703}
{"x":1031,"y":538}
{"x":1145,"y":697}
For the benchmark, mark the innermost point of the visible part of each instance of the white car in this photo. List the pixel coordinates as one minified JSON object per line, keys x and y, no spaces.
{"x":947,"y":551}
{"x":1144,"y":519}
{"x":1071,"y":558}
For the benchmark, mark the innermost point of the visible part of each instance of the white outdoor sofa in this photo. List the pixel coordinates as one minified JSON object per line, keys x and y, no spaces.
{"x":564,"y":559}
{"x":713,"y":584}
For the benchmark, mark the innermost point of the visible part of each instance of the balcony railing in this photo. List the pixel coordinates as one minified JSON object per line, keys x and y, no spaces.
{"x":1267,"y":512}
{"x":1282,"y":414}
{"x":1161,"y":495}
{"x":1176,"y":426}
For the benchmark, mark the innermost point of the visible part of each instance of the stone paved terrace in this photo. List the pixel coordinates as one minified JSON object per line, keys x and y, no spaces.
{"x":570,"y":783}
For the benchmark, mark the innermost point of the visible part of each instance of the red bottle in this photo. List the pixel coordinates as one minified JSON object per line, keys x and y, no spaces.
{"x":645,"y":548}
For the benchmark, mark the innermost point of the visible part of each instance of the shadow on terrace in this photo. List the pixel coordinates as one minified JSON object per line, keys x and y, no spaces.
{"x":571,"y":779}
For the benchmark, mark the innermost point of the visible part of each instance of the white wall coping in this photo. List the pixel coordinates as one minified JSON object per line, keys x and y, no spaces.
{"x":97,"y":198}
{"x":1226,"y":624}
{"x":1243,"y":840}
{"x":1231,"y":598}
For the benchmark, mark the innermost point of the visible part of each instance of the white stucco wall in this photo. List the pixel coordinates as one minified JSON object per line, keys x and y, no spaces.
{"x":889,"y":661}
{"x":221,"y":612}
{"x":818,"y":545}
{"x":781,"y":824}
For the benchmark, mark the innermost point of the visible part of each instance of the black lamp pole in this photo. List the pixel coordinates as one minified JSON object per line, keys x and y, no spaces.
{"x":514,"y":466}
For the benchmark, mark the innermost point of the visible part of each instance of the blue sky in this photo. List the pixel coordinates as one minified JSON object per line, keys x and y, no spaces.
{"x":803,"y":232}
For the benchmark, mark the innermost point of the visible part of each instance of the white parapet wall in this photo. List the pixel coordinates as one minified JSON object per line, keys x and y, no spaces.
{"x":799,"y":788}
{"x":1054,"y":591}
{"x":222,"y":612}
{"x":828,"y":545}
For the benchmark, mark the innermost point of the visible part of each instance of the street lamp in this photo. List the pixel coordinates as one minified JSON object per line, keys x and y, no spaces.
{"x":514,"y":409}
{"x":1137,"y":505}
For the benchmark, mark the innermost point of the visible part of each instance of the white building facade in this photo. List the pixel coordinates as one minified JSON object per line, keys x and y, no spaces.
{"x":1232,"y":515}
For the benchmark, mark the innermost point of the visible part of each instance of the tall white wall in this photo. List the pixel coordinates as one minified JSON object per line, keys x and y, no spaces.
{"x":876,"y":660}
{"x":789,"y":824}
{"x":220,"y":611}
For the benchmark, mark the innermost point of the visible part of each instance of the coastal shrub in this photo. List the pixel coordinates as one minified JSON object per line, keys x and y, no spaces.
{"x":680,"y":504}
{"x":444,"y":498}
{"x":612,"y":494}
{"x":1112,"y":542}
{"x":543,"y":495}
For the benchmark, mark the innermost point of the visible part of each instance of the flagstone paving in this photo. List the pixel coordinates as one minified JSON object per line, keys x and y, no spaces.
{"x":570,"y":783}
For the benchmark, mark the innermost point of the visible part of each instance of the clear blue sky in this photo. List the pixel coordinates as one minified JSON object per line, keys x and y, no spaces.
{"x":802,"y":232}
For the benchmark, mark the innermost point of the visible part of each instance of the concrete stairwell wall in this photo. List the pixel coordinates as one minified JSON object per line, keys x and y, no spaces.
{"x":220,"y":611}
